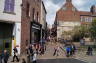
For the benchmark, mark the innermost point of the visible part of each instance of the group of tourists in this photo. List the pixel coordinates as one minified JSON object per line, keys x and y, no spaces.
{"x":31,"y":53}
{"x":34,"y":50}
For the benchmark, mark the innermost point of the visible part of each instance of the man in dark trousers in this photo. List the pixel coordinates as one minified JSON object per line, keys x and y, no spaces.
{"x":15,"y":54}
{"x":89,"y":51}
{"x":5,"y":56}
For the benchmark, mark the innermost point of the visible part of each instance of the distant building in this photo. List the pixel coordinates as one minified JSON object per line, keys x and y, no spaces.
{"x":10,"y":24}
{"x":33,"y":22}
{"x":68,"y":17}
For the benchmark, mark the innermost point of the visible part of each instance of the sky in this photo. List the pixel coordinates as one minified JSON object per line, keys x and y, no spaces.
{"x":52,"y":6}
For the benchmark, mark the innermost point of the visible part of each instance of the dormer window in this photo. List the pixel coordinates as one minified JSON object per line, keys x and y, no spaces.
{"x":73,"y":9}
{"x":64,"y":8}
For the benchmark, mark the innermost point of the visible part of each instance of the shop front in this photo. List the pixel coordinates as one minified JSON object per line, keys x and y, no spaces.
{"x":6,"y":30}
{"x":35,"y":35}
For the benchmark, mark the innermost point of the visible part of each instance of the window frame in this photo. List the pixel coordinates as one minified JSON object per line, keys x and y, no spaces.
{"x":9,"y":7}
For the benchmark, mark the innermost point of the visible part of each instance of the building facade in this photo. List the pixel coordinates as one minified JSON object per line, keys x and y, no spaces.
{"x":68,"y":16}
{"x":10,"y":24}
{"x":32,"y":22}
{"x":43,"y":20}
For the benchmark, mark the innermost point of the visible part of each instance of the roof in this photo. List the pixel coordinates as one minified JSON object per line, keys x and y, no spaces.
{"x":70,"y":14}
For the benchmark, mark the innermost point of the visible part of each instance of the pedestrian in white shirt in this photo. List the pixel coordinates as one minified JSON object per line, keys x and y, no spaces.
{"x":34,"y":57}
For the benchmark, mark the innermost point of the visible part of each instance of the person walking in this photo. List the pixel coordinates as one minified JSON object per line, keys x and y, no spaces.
{"x":73,"y":48}
{"x":15,"y":54}
{"x":68,"y":51}
{"x":5,"y":56}
{"x":56,"y":51}
{"x":34,"y":60}
{"x":89,"y":51}
{"x":1,"y":57}
{"x":23,"y":60}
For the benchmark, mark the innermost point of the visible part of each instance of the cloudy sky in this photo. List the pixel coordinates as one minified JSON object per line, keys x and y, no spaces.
{"x":54,"y":5}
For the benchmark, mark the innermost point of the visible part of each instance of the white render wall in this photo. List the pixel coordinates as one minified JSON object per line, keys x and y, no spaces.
{"x":17,"y":36}
{"x":65,"y":26}
{"x":64,"y":23}
{"x":11,"y":17}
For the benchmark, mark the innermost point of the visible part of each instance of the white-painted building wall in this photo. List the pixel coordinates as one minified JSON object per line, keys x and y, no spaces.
{"x":17,"y":37}
{"x":11,"y":17}
{"x":65,"y":26}
{"x":14,"y":18}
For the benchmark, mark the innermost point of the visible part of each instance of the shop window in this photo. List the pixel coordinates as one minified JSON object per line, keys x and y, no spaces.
{"x":6,"y":45}
{"x":9,"y":6}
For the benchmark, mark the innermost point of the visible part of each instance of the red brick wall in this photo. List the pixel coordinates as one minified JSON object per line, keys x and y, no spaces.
{"x":68,"y":16}
{"x":25,"y":20}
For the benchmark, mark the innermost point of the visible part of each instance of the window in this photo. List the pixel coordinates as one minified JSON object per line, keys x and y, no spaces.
{"x":81,"y":18}
{"x":57,"y":23}
{"x":91,"y":19}
{"x":73,"y":9}
{"x":33,"y":13}
{"x":28,"y":10}
{"x":38,"y":0}
{"x":74,"y":14}
{"x":85,"y":19}
{"x":64,"y":8}
{"x":9,"y":6}
{"x":37,"y":16}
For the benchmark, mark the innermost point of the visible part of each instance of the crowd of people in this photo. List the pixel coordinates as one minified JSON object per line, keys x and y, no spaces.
{"x":70,"y":50}
{"x":33,"y":50}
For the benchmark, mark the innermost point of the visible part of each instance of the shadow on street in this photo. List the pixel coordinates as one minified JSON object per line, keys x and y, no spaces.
{"x":59,"y":61}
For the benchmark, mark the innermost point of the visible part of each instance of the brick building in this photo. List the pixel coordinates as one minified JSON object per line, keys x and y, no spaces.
{"x":68,"y":16}
{"x":33,"y":20}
